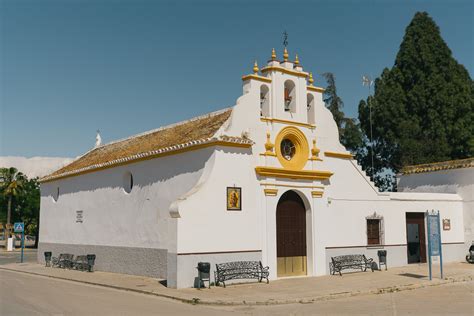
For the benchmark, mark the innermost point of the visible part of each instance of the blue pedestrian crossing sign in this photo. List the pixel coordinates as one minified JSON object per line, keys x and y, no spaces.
{"x":19,"y":227}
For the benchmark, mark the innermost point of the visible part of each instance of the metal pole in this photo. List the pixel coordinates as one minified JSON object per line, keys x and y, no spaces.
{"x":371,"y":137}
{"x":22,"y":244}
{"x":440,"y":247}
{"x":429,"y":241}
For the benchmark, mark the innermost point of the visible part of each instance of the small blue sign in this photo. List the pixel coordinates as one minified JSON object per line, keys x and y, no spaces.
{"x":19,"y":227}
{"x":434,"y":238}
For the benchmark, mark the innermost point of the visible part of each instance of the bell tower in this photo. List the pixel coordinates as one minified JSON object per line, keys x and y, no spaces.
{"x":286,"y":91}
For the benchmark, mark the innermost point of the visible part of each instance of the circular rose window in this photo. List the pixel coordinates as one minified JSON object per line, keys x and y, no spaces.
{"x":287,"y":149}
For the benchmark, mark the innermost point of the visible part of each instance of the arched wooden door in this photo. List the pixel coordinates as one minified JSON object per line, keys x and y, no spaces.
{"x":291,"y":235}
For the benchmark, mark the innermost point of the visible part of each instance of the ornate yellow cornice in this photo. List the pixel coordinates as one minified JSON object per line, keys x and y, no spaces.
{"x":316,"y":89}
{"x":293,"y":174}
{"x":317,"y":194}
{"x":285,"y":71}
{"x":292,"y":185}
{"x":338,"y":155}
{"x":256,"y":77}
{"x":271,"y":120}
{"x":270,"y":192}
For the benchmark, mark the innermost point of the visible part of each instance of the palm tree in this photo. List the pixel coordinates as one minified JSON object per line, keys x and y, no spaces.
{"x":11,"y":184}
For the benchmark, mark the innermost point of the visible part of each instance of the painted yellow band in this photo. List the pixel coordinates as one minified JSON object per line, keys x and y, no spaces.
{"x":338,"y":155}
{"x":256,"y":77}
{"x":270,"y":192}
{"x":293,"y":174}
{"x":285,"y":71}
{"x":271,"y":120}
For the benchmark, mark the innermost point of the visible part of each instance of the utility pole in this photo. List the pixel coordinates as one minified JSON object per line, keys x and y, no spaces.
{"x":367,"y":81}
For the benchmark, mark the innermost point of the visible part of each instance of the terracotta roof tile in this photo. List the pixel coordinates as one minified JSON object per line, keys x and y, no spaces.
{"x":436,"y":166}
{"x":195,"y":131}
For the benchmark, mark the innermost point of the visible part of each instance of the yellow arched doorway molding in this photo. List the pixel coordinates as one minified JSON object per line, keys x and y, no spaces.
{"x":297,"y":137}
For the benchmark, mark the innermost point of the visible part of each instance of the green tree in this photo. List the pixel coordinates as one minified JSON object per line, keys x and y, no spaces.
{"x":11,"y":185}
{"x":27,"y":206}
{"x":350,"y":133}
{"x":422,"y":108}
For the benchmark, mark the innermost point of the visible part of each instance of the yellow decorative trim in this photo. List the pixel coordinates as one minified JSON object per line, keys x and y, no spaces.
{"x":297,"y":60}
{"x":311,"y":80}
{"x":153,"y":156}
{"x":285,"y":71}
{"x":256,"y":77}
{"x":270,"y":192}
{"x":317,"y":194}
{"x":274,"y":55}
{"x":285,"y":54}
{"x":269,"y":145}
{"x":315,"y":152}
{"x":338,"y":155}
{"x":293,"y":174}
{"x":271,"y":120}
{"x":316,"y":89}
{"x":255,"y":68}
{"x":268,"y":154}
{"x":301,"y":148}
{"x":292,"y":186}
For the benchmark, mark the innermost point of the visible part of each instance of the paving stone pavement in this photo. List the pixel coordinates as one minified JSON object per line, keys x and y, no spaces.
{"x":282,"y":291}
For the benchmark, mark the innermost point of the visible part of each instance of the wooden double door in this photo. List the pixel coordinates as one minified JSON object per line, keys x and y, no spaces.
{"x":291,"y":235}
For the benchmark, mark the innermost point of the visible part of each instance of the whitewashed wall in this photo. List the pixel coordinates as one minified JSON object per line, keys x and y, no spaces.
{"x":460,"y":181}
{"x":114,"y":218}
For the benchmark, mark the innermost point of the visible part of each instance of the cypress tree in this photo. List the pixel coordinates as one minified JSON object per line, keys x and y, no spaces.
{"x":422,"y":108}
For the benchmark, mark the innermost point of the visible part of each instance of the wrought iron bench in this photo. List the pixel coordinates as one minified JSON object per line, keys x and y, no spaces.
{"x":240,"y":270}
{"x":340,"y":263}
{"x":63,"y":261}
{"x":81,"y":263}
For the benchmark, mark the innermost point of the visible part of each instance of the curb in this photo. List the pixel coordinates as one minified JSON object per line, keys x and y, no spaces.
{"x":324,"y":297}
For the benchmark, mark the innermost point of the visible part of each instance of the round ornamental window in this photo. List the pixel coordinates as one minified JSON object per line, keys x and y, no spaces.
{"x":288,"y":149}
{"x":292,"y":148}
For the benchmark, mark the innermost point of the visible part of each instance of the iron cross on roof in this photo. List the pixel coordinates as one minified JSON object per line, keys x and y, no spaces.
{"x":285,"y":38}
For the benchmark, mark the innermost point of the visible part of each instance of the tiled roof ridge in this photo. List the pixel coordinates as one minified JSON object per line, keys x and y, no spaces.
{"x":437,"y":166}
{"x":222,"y":138}
{"x":161,"y":128}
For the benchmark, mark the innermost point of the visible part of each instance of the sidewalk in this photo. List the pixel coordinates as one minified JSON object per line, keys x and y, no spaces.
{"x":283,"y":291}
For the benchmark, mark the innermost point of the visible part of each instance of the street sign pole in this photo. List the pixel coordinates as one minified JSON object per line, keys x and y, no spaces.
{"x":22,"y":244}
{"x":440,"y":248}
{"x":429,"y":242}
{"x":20,"y":228}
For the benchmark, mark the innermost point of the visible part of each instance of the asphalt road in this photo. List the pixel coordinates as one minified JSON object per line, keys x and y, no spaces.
{"x":23,"y":294}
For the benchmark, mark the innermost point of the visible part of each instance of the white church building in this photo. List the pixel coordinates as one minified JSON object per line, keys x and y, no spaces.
{"x":266,"y":179}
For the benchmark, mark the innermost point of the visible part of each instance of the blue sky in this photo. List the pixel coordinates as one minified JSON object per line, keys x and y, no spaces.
{"x":70,"y":67}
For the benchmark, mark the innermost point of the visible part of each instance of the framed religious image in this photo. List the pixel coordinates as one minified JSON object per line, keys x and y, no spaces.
{"x":446,"y":224}
{"x":234,"y":199}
